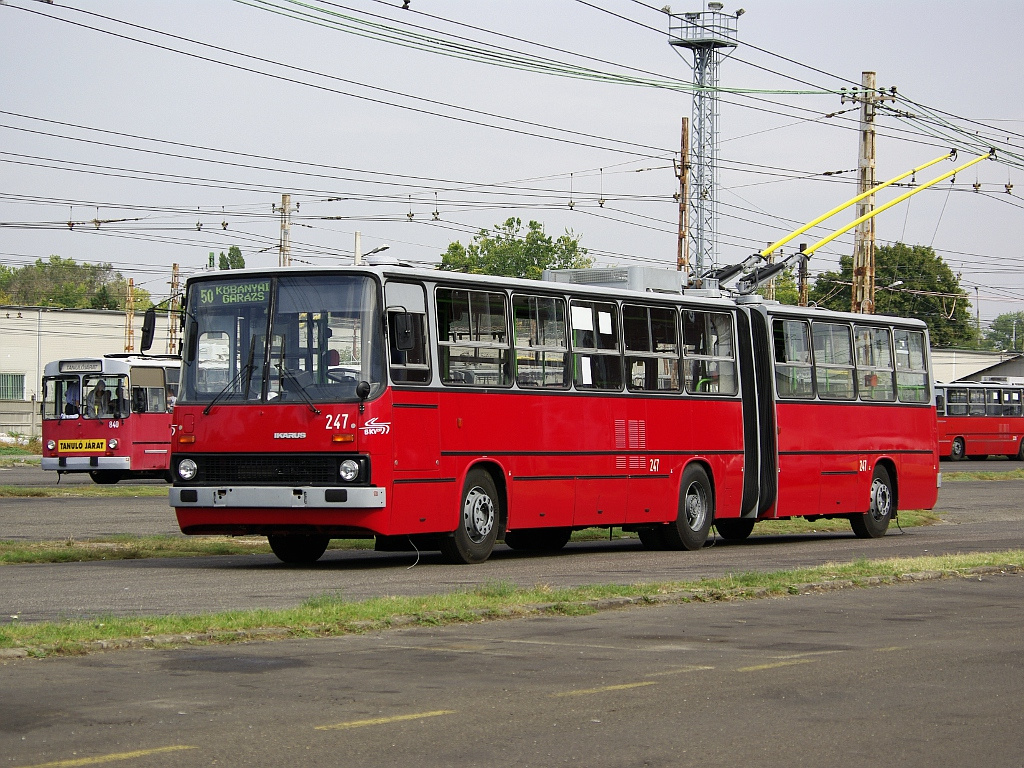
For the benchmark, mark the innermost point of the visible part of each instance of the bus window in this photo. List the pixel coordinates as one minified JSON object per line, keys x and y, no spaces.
{"x":105,"y":397}
{"x":874,"y":363}
{"x":956,"y":402}
{"x":993,"y":403}
{"x":793,"y":377}
{"x":1011,"y":402}
{"x":940,"y":403}
{"x":62,"y":397}
{"x":976,"y":400}
{"x":595,"y":343}
{"x":911,"y":370}
{"x":407,"y":343}
{"x":652,"y":349}
{"x":833,"y":361}
{"x":541,"y":342}
{"x":708,"y":362}
{"x":473,"y":341}
{"x":148,"y":394}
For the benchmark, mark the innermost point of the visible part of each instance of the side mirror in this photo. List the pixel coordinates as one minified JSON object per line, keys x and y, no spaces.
{"x":362,"y":392}
{"x":404,"y":338}
{"x":148,"y":329}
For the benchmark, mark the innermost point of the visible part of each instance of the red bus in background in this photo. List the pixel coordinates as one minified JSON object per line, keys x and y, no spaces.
{"x":980,"y":419}
{"x":109,"y":416}
{"x":449,"y":411}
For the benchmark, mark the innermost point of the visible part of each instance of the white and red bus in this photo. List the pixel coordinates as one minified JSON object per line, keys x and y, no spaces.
{"x":109,"y":416}
{"x":980,"y":419}
{"x":450,"y":411}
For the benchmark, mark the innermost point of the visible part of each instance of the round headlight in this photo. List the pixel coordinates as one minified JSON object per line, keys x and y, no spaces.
{"x":349,"y":470}
{"x":50,"y":445}
{"x":187,"y":469}
{"x":113,"y":444}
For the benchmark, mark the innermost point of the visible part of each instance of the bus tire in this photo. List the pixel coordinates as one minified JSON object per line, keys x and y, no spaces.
{"x":957,"y":449}
{"x":696,"y":511}
{"x":735,"y":528}
{"x":875,"y":522}
{"x":105,"y":476}
{"x":298,"y":549}
{"x":1020,"y":451}
{"x":538,"y":539}
{"x":474,"y":537}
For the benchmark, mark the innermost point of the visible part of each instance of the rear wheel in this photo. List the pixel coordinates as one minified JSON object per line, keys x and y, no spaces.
{"x":696,"y":511}
{"x":297,"y":549}
{"x":105,"y":476}
{"x":477,"y":531}
{"x":1020,"y":451}
{"x":874,"y":523}
{"x":734,"y":528}
{"x":956,"y":451}
{"x":538,"y":539}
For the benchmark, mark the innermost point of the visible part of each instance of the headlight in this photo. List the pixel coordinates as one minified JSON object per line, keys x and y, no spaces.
{"x":112,"y":444}
{"x":50,"y":445}
{"x":349,"y":470}
{"x":187,"y":469}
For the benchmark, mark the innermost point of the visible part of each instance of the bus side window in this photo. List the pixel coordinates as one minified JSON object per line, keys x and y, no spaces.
{"x":940,"y":404}
{"x":874,"y":363}
{"x":539,"y":333}
{"x":911,"y":370}
{"x":976,"y":400}
{"x":652,"y":348}
{"x":956,"y":402}
{"x":793,"y":372}
{"x":596,"y":361}
{"x":709,"y":366}
{"x":473,"y":340}
{"x":407,"y":341}
{"x":833,"y":361}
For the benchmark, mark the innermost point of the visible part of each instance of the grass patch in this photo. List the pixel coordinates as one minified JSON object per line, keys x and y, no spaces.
{"x":330,"y":614}
{"x":127,"y":547}
{"x":83,"y":491}
{"x":980,"y":474}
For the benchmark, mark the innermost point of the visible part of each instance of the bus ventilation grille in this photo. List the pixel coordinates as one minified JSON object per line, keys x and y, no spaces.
{"x":270,"y":469}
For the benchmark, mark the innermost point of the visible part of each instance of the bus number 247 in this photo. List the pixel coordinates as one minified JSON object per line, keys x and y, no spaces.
{"x":337,"y":421}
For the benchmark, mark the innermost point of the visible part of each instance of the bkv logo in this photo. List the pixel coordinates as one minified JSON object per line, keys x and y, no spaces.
{"x":374,"y":427}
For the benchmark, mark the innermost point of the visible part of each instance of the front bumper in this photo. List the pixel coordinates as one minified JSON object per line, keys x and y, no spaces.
{"x":263,"y":497}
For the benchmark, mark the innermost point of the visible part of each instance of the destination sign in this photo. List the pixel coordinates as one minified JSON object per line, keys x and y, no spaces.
{"x":82,"y":446}
{"x":225,"y":294}
{"x":81,"y":366}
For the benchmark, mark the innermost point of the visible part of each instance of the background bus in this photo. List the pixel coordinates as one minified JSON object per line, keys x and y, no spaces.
{"x":979,"y":419}
{"x":448,"y":411}
{"x":109,"y":416}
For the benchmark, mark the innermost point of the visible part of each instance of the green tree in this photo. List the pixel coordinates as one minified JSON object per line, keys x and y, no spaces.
{"x":233,"y":259}
{"x":786,"y":289}
{"x":505,"y":250}
{"x":64,"y":283}
{"x":1007,"y":332}
{"x":910,"y":281}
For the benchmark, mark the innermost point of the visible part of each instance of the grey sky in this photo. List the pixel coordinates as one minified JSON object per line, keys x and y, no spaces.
{"x":951,"y":56}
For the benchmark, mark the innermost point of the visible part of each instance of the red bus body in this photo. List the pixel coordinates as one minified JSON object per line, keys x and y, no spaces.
{"x":980,"y":419}
{"x":563,"y":458}
{"x":125,"y":434}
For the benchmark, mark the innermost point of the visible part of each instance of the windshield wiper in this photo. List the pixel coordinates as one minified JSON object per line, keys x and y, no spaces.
{"x":245,"y":370}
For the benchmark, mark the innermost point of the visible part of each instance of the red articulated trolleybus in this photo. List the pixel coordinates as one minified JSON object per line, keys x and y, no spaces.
{"x":980,"y":419}
{"x":451,"y":411}
{"x":109,"y":416}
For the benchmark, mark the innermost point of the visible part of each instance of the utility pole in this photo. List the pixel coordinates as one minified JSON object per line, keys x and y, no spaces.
{"x":129,"y":316}
{"x":172,"y":312}
{"x":683,"y":245}
{"x":357,"y":251}
{"x":862,"y":295}
{"x":769,"y":291}
{"x":284,"y":250}
{"x":802,"y":276}
{"x":709,"y":34}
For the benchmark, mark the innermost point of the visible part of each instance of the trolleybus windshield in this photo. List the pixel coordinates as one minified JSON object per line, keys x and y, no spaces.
{"x":291,"y":339}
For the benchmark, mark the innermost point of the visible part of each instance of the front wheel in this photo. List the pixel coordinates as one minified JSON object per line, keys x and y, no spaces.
{"x":298,"y":550}
{"x":875,"y":522}
{"x":957,"y":449}
{"x":474,"y":537}
{"x":105,"y":476}
{"x":735,"y":528}
{"x":696,"y":511}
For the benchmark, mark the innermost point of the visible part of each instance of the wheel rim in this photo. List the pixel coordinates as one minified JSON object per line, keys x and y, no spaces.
{"x":478,"y":514}
{"x":696,"y":507}
{"x":958,"y":448}
{"x":881,"y":500}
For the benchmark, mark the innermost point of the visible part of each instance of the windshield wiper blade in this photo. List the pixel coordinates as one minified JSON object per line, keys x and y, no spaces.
{"x":245,"y":370}
{"x":300,"y":390}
